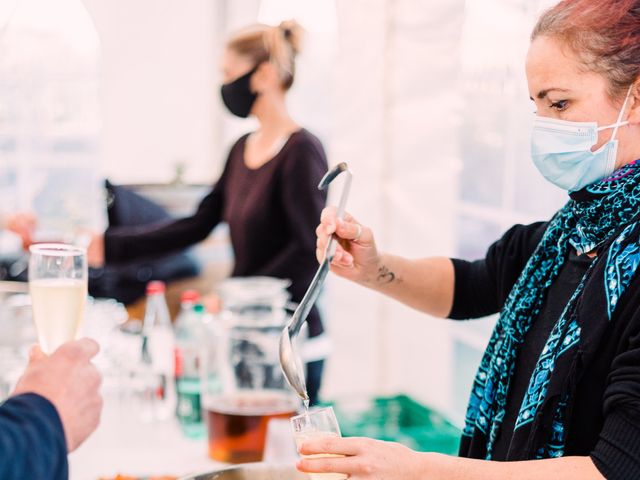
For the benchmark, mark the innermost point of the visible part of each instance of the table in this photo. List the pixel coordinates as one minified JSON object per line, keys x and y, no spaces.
{"x":127,"y":445}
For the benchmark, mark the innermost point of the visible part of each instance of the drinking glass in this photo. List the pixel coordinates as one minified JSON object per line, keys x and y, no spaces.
{"x":58,"y":288}
{"x":315,"y":423}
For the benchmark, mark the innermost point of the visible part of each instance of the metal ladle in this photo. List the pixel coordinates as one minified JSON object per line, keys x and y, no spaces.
{"x":289,"y":358}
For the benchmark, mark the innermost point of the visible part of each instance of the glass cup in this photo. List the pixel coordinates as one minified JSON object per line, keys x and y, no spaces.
{"x":58,"y":287}
{"x":315,"y":423}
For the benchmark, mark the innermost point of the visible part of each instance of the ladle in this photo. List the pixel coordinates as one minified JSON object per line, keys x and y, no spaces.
{"x":289,"y":358}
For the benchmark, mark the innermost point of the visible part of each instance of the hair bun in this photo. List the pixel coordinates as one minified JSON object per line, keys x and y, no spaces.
{"x":292,"y":33}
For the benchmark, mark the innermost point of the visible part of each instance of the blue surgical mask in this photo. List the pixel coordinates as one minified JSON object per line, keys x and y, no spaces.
{"x":561,"y":150}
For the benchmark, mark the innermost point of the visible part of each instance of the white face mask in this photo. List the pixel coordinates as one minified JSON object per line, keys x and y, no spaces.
{"x":561,"y":150}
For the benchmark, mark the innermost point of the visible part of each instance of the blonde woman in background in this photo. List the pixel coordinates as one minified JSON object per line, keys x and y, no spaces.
{"x":268,"y":190}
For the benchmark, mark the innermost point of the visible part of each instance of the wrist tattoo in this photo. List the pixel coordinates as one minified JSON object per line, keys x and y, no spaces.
{"x":385,"y":275}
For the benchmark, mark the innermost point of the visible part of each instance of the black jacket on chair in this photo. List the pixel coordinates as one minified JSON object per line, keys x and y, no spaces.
{"x":126,"y":281}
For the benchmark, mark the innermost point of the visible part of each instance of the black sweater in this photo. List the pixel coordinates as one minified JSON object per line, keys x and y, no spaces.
{"x":272,"y":212}
{"x":605,"y":421}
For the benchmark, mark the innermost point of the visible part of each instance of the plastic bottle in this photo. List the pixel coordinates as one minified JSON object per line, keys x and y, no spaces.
{"x":189,"y":334}
{"x":158,"y":343}
{"x":182,"y":327}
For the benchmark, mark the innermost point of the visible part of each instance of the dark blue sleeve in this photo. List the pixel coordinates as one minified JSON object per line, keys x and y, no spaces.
{"x":32,"y":441}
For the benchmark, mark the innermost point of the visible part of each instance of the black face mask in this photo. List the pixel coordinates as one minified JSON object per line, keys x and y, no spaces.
{"x":237,"y":95}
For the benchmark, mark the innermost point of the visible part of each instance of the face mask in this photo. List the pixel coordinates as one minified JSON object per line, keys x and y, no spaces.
{"x":561,"y":150}
{"x":237,"y":95}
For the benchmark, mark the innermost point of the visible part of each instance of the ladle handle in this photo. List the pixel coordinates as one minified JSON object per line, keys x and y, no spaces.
{"x":309,"y":299}
{"x":330,"y":249}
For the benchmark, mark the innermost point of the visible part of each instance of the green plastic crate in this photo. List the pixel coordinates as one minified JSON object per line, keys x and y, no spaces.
{"x":398,"y":419}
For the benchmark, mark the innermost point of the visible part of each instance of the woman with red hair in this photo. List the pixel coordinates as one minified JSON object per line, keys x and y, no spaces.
{"x":557,"y":393}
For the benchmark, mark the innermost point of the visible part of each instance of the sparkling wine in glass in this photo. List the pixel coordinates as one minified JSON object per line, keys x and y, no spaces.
{"x":317,"y":423}
{"x":58,"y":288}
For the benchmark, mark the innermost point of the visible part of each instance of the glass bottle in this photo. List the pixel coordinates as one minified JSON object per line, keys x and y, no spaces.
{"x":158,"y":344}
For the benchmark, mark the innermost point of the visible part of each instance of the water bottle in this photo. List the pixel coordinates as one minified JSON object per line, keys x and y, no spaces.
{"x":158,"y":343}
{"x":189,"y":333}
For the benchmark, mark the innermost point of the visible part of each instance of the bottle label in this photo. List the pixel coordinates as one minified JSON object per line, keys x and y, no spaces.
{"x":188,"y":408}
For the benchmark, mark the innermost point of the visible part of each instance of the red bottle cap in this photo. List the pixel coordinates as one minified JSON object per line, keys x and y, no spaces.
{"x":189,"y":296}
{"x":155,"y":287}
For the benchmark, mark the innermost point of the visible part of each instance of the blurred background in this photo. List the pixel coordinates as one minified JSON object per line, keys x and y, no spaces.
{"x":426,"y":100}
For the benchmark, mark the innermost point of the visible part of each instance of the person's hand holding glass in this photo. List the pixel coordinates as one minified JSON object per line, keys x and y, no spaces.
{"x":58,"y":288}
{"x":315,"y":424}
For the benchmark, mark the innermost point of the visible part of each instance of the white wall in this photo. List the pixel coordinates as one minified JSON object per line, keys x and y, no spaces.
{"x":160,"y":86}
{"x":394,"y":104}
{"x":158,"y":66}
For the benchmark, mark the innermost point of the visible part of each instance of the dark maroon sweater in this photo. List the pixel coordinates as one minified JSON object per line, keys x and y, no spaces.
{"x":272,"y":212}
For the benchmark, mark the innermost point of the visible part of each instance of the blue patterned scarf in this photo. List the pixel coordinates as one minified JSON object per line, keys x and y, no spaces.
{"x":600,"y":217}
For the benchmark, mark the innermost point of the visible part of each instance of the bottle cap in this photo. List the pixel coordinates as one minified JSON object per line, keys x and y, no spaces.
{"x":189,"y":296}
{"x":155,"y":286}
{"x":198,"y":308}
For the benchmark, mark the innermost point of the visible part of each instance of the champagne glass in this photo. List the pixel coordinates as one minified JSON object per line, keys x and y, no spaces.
{"x":316,"y":423}
{"x":58,"y":287}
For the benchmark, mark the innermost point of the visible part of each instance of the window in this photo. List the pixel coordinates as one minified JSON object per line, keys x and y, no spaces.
{"x":49,"y":115}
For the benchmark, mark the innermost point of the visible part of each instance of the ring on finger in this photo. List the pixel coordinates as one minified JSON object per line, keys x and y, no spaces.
{"x":358,"y":233}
